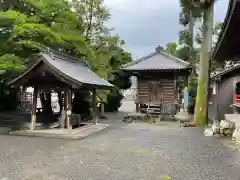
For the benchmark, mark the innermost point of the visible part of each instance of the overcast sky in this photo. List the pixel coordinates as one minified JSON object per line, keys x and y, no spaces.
{"x":145,"y":24}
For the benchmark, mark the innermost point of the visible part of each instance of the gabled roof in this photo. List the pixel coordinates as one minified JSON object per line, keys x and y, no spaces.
{"x":73,"y":70}
{"x":157,"y":61}
{"x":226,"y":71}
{"x":228,"y":42}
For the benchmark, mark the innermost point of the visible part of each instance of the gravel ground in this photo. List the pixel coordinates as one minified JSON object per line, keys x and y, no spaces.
{"x":121,"y":152}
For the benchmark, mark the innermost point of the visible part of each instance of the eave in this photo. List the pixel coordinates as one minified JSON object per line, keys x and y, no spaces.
{"x":227,"y":47}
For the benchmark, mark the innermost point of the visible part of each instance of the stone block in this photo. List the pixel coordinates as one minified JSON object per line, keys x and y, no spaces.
{"x":216,"y":128}
{"x":236,"y":136}
{"x":208,"y":132}
{"x":225,"y":124}
{"x":234,"y":118}
{"x":227,"y":132}
{"x":221,"y":130}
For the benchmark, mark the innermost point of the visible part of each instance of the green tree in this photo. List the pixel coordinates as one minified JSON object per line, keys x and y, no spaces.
{"x":159,"y":48}
{"x":76,"y":28}
{"x":27,"y":26}
{"x":94,"y":14}
{"x":109,"y":53}
{"x":188,"y":17}
{"x":204,"y":10}
{"x":50,"y":23}
{"x":170,"y":48}
{"x":216,"y":30}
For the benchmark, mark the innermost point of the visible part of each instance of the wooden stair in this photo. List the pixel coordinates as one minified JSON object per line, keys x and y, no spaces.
{"x":157,"y":110}
{"x":154,"y":110}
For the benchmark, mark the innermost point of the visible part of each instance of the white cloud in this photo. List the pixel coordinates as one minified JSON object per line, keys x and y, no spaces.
{"x":145,"y":24}
{"x":139,"y":6}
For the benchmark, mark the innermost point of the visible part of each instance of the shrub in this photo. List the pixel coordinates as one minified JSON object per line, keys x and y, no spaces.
{"x":192,"y":89}
{"x":82,"y":104}
{"x":9,"y":98}
{"x":113,"y":102}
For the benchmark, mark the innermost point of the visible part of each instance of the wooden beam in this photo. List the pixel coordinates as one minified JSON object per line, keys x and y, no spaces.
{"x":34,"y":107}
{"x":137,"y":94}
{"x":94,"y":104}
{"x":69,"y":109}
{"x":65,"y":108}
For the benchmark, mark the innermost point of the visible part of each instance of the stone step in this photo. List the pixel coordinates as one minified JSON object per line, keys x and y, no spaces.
{"x":233,"y":118}
{"x":26,"y":124}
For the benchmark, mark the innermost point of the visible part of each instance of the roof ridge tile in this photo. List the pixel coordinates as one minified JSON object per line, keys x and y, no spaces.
{"x":165,"y":57}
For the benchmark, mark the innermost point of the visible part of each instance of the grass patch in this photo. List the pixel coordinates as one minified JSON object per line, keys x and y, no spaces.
{"x":139,"y":150}
{"x":165,"y":178}
{"x":148,"y":121}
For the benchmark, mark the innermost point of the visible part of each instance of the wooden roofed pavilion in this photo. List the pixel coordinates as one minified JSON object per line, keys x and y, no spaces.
{"x":157,"y":76}
{"x":57,"y":71}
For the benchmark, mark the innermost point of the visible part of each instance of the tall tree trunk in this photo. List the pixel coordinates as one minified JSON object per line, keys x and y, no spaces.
{"x":206,"y":47}
{"x":191,"y":35}
{"x":90,"y":18}
{"x":191,"y":57}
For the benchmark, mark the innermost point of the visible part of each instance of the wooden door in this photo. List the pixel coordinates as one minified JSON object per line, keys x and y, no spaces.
{"x":155,"y":92}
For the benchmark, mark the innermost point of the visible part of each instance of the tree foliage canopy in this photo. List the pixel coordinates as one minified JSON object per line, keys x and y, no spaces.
{"x":74,"y":27}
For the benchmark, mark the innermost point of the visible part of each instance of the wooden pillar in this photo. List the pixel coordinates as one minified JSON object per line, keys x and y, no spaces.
{"x":69,"y":108}
{"x":175,"y":87}
{"x":65,"y":113}
{"x":63,"y":110}
{"x":233,"y":95}
{"x":34,"y":108}
{"x":94,"y":108}
{"x":65,"y":103}
{"x":137,"y":107}
{"x":102,"y":109}
{"x":186,"y":80}
{"x":135,"y":93}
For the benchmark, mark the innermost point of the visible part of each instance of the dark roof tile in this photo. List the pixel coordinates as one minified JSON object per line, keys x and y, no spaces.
{"x":76,"y":70}
{"x":157,"y":61}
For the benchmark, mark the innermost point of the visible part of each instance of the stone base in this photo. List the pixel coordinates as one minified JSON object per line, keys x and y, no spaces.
{"x":136,"y":116}
{"x":183,"y":117}
{"x":236,"y":136}
{"x":4,"y":130}
{"x":233,"y":118}
{"x":78,"y":133}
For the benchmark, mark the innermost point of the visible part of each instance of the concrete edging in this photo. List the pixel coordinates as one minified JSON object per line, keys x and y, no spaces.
{"x":74,"y":134}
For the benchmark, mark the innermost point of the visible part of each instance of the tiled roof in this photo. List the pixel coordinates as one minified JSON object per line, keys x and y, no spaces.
{"x":157,"y":61}
{"x":71,"y":68}
{"x":226,"y":47}
{"x":225,"y":71}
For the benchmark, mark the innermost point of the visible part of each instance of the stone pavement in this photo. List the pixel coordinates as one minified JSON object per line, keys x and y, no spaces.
{"x":78,"y":133}
{"x":121,"y":152}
